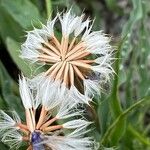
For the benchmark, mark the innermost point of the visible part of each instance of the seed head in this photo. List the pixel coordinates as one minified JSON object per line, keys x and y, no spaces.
{"x":55,"y":127}
{"x":73,"y":59}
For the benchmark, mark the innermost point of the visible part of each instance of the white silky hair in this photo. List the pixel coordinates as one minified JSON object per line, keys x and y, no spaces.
{"x":53,"y":92}
{"x":36,"y":81}
{"x":55,"y":96}
{"x":34,"y":85}
{"x":35,"y":39}
{"x":70,"y":143}
{"x":79,"y":132}
{"x":96,"y":35}
{"x":102,"y":60}
{"x":30,"y":49}
{"x":97,"y":42}
{"x":29,"y":54}
{"x":76,"y":123}
{"x":30,"y":91}
{"x":81,"y":25}
{"x":91,"y":87}
{"x":105,"y":72}
{"x":7,"y":122}
{"x":63,"y":92}
{"x":66,"y":109}
{"x":77,"y":96}
{"x":49,"y":93}
{"x":13,"y":139}
{"x":25,"y":93}
{"x":88,"y":30}
{"x":49,"y":28}
{"x":101,"y":50}
{"x":36,"y":99}
{"x":15,"y":116}
{"x":105,"y":63}
{"x":104,"y":66}
{"x":68,"y":22}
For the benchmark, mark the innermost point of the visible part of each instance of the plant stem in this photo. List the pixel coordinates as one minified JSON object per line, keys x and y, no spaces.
{"x":48,"y":8}
{"x":121,"y":116}
{"x":114,"y":98}
{"x":138,"y":136}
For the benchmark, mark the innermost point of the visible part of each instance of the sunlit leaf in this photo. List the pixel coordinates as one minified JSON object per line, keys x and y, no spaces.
{"x":13,"y":48}
{"x":22,"y":11}
{"x":9,"y":27}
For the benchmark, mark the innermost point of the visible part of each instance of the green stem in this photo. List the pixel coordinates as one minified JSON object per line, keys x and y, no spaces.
{"x":146,"y":129}
{"x":115,"y":101}
{"x":138,"y":136}
{"x":48,"y":8}
{"x":121,"y":116}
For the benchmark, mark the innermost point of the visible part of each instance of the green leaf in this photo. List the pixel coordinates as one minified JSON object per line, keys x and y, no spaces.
{"x":105,"y":148}
{"x":10,"y":92}
{"x":22,"y":11}
{"x":122,"y":77}
{"x":2,"y":103}
{"x":141,"y":138}
{"x":112,"y":131}
{"x":115,"y":105}
{"x":114,"y":99}
{"x":112,"y":5}
{"x":12,"y":100}
{"x":5,"y":76}
{"x":3,"y":147}
{"x":135,"y":16}
{"x":13,"y":48}
{"x":9,"y":27}
{"x":103,"y":114}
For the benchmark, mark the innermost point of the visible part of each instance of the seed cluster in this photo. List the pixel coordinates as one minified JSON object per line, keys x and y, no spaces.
{"x":68,"y":60}
{"x":32,"y":128}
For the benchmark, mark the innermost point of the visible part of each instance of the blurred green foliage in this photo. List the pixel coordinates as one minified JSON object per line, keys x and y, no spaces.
{"x":123,"y":115}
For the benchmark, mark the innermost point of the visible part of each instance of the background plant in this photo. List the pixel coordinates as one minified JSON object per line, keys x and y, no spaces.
{"x":122,"y":115}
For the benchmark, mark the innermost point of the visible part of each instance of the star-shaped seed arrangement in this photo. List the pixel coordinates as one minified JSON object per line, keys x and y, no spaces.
{"x":80,"y":60}
{"x":67,"y":60}
{"x":55,"y":126}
